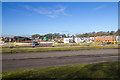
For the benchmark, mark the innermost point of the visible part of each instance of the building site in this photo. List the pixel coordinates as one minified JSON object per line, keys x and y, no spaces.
{"x":59,"y":41}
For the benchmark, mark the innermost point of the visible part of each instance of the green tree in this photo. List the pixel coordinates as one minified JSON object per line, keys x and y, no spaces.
{"x":112,"y":33}
{"x":117,"y":32}
{"x":36,"y":36}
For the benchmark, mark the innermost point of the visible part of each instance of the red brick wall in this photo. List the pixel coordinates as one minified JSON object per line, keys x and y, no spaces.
{"x":106,"y":38}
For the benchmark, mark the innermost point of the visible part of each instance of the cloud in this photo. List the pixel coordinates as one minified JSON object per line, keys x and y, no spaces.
{"x":61,"y":10}
{"x":99,"y":7}
{"x":42,"y":11}
{"x":27,"y":7}
{"x":52,"y":16}
{"x":50,"y":12}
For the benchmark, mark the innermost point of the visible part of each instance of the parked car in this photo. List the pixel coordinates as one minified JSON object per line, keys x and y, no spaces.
{"x":35,"y":44}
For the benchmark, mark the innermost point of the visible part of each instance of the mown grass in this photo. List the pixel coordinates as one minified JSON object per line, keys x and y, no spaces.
{"x":55,"y":49}
{"x":106,"y":70}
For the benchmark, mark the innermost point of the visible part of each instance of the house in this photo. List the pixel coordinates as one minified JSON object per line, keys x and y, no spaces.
{"x":68,"y":40}
{"x":118,"y":38}
{"x":77,"y":40}
{"x":106,"y":38}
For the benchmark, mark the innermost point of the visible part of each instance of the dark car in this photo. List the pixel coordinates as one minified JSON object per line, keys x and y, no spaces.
{"x":35,"y":44}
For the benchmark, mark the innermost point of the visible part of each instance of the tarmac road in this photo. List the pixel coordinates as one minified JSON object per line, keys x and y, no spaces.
{"x":17,"y":61}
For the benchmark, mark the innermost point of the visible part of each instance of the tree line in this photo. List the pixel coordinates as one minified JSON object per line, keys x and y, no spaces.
{"x":91,"y":34}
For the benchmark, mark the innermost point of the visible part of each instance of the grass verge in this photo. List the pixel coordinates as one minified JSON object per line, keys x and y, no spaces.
{"x":55,"y":49}
{"x":72,"y":72}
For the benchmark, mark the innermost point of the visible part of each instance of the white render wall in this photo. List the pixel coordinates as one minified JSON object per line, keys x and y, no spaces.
{"x":77,"y":40}
{"x":118,"y":38}
{"x":66,"y":40}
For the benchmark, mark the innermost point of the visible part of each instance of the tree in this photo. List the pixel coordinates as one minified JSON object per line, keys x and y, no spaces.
{"x":117,"y":32}
{"x":36,"y":36}
{"x":112,"y":33}
{"x":49,"y":36}
{"x":63,"y":35}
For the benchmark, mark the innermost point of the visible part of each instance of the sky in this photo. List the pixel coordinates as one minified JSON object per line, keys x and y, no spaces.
{"x":28,"y":18}
{"x":60,"y":0}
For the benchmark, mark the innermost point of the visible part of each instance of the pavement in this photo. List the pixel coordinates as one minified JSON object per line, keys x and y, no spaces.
{"x":38,"y":47}
{"x":27,"y":60}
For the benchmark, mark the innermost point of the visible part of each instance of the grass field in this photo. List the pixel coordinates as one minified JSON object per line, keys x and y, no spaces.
{"x":55,"y":49}
{"x":97,"y":70}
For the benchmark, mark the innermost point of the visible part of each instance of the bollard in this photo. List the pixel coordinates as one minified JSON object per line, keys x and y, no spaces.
{"x":114,"y":42}
{"x":53,"y":45}
{"x":117,"y":42}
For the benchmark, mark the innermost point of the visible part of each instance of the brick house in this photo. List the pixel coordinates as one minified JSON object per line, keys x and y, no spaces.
{"x":106,"y":38}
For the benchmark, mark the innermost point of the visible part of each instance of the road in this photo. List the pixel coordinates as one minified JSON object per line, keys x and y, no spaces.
{"x":17,"y":61}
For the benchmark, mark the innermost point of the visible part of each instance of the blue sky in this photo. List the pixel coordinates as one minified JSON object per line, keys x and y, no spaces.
{"x":28,"y":18}
{"x":60,"y":0}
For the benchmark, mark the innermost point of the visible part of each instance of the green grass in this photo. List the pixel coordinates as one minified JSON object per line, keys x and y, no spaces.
{"x":72,"y":72}
{"x":55,"y":49}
